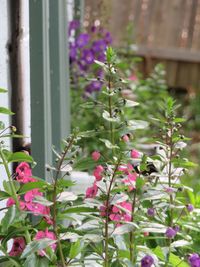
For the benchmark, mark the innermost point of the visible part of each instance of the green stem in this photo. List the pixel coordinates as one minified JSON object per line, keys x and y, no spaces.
{"x":131,"y":235}
{"x":106,"y":258}
{"x":54,"y":208}
{"x":14,"y":194}
{"x":9,"y":178}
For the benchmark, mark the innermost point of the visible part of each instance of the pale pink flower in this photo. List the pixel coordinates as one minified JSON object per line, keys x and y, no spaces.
{"x":130,"y":180}
{"x":96,"y":155}
{"x":98,"y":172}
{"x":135,"y":154}
{"x":24,"y":173}
{"x":17,"y":247}
{"x":133,"y":77}
{"x":91,"y":192}
{"x":125,"y":138}
{"x":46,"y":234}
{"x":126,"y":168}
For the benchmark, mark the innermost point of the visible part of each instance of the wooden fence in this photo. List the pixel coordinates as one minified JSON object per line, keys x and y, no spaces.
{"x":166,"y":31}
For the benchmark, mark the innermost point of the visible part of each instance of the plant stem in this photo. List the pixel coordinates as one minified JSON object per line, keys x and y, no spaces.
{"x":54,"y":208}
{"x":107,"y":205}
{"x":131,"y":235}
{"x":170,"y":155}
{"x":9,"y":178}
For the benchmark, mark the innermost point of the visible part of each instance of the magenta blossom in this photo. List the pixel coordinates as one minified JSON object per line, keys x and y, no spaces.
{"x":96,"y":155}
{"x":91,"y":192}
{"x":24,"y":173}
{"x":135,"y":154}
{"x":98,"y":172}
{"x":17,"y":247}
{"x":46,"y":234}
{"x":10,"y":202}
{"x":121,"y":212}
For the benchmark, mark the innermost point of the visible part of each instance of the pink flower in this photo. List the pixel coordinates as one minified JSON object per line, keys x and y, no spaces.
{"x":124,"y":214}
{"x":130,"y":180}
{"x":103,"y":211}
{"x":133,"y":77}
{"x":17,"y":247}
{"x":125,"y":138}
{"x":10,"y":202}
{"x":22,"y":205}
{"x":91,"y":192}
{"x":30,"y":195}
{"x":135,"y":154}
{"x":24,"y":173}
{"x":98,"y":172}
{"x":46,"y":234}
{"x":96,"y":155}
{"x":126,"y":168}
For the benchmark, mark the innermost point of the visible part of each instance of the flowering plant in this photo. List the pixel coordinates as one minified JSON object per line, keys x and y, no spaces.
{"x":134,"y":213}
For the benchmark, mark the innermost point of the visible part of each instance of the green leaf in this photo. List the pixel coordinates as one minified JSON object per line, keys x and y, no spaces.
{"x":85,"y":164}
{"x":33,"y":261}
{"x":12,"y":216}
{"x":139,"y":183}
{"x":123,"y":229}
{"x":8,"y":188}
{"x":108,"y":144}
{"x":42,"y":200}
{"x":2,"y":90}
{"x":29,"y":186}
{"x":107,"y":117}
{"x":101,"y":64}
{"x":20,"y":157}
{"x":6,"y":111}
{"x":137,"y":124}
{"x":87,"y":105}
{"x":36,"y":245}
{"x":116,"y":264}
{"x":110,"y":55}
{"x":65,"y":183}
{"x":66,"y":196}
{"x":2,"y":125}
{"x":180,"y":243}
{"x":87,"y":134}
{"x":75,"y":249}
{"x":130,"y":103}
{"x":176,"y":261}
{"x":4,"y":195}
{"x":79,"y":210}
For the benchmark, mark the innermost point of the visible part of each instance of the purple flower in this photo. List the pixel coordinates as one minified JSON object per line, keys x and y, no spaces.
{"x":194,"y":260}
{"x":99,"y":46}
{"x":170,"y":232}
{"x":190,"y":207}
{"x":147,"y":261}
{"x":72,"y":52}
{"x":108,"y":38}
{"x":82,"y":40}
{"x":93,"y":86}
{"x":151,"y":212}
{"x":73,"y":25}
{"x":87,"y":56}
